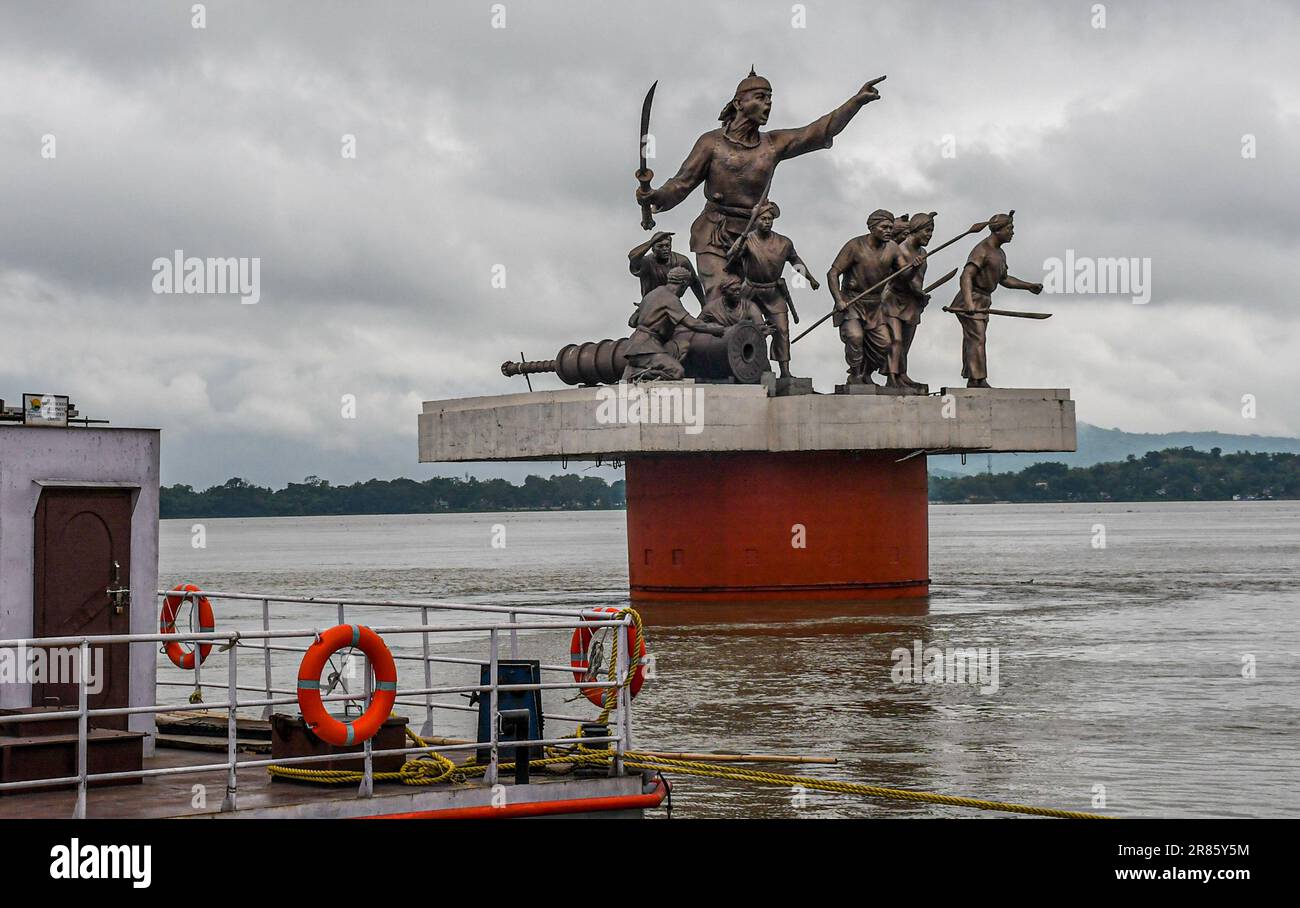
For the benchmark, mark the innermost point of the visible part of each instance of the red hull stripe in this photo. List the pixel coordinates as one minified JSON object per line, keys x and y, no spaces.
{"x":537,"y":808}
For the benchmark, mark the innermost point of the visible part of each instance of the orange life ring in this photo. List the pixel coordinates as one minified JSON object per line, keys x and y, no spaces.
{"x":318,"y":719}
{"x":580,"y":642}
{"x":176,"y":651}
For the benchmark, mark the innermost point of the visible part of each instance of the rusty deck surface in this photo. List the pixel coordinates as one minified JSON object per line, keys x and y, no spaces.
{"x":258,"y":797}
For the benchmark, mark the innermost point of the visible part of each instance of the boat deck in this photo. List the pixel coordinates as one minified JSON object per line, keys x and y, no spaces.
{"x":174,"y":795}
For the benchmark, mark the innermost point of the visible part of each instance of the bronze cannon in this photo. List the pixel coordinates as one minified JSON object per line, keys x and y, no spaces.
{"x":739,"y":356}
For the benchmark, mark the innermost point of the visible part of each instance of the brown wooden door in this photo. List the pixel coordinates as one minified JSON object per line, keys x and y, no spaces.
{"x":80,"y":532}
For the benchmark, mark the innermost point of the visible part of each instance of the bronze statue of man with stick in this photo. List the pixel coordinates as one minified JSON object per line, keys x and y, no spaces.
{"x":863,"y":263}
{"x":985,"y":271}
{"x":735,"y":162}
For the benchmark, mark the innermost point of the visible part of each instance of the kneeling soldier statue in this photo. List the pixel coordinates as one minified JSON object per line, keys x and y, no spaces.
{"x":662,"y":332}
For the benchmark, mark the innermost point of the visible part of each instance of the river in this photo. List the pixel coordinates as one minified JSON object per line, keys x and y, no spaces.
{"x":1126,"y":637}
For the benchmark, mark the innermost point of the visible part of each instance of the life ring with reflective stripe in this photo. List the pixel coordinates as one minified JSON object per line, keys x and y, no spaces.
{"x":367,"y":725}
{"x":181,"y":656}
{"x":580,"y":643}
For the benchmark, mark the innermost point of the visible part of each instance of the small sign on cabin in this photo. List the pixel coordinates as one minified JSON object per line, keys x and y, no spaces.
{"x":45,"y":410}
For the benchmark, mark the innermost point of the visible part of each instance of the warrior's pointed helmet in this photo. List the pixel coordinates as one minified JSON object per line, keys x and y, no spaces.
{"x":749,"y":83}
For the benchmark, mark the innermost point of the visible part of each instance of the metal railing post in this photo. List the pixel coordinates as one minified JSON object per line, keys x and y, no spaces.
{"x":494,"y":707}
{"x":514,"y":638}
{"x":344,"y":668}
{"x":427,"y":728}
{"x":367,"y":789}
{"x":232,"y":694}
{"x":620,"y":704}
{"x":83,"y":730}
{"x":198,"y":661}
{"x":626,"y":690}
{"x":266,"y":654}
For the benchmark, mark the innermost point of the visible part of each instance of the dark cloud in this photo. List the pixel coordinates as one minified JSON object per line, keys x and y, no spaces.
{"x":480,"y":146}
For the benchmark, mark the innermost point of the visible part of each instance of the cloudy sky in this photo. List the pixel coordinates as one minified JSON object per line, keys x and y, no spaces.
{"x":479,"y":146}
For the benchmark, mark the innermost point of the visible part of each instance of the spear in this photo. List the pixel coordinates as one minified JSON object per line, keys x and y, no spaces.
{"x":974,"y":228}
{"x":1008,"y":312}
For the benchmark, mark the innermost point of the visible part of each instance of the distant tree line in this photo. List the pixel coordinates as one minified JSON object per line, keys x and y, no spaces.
{"x":1175,"y":474}
{"x":314,"y":496}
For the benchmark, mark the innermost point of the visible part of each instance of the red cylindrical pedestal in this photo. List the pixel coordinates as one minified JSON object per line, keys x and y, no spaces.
{"x":800,"y":525}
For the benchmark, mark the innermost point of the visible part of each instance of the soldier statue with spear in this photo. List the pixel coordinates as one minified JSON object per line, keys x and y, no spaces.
{"x":867,"y":261}
{"x":985,"y":270}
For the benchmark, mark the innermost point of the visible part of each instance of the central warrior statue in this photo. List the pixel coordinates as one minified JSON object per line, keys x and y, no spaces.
{"x":761,"y":259}
{"x":735,"y":162}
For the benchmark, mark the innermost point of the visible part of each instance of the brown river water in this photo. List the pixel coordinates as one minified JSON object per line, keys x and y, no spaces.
{"x":1119,"y":668}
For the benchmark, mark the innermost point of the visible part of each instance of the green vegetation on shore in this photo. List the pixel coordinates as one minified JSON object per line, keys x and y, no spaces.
{"x":1176,"y":474}
{"x":316,"y":497}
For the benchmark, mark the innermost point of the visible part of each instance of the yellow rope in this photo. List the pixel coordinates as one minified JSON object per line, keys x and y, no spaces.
{"x":633,"y":663}
{"x":426,"y":769}
{"x":432,"y":768}
{"x":635,"y":761}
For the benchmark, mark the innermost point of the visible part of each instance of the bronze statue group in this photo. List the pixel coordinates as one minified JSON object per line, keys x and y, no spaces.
{"x":877,"y":280}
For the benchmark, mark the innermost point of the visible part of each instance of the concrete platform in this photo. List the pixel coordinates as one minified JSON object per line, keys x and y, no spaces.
{"x":613,"y":422}
{"x":736,"y":493}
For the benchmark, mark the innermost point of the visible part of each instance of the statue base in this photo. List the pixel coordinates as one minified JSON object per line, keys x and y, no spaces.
{"x":920,"y":391}
{"x":735,"y":495}
{"x":785,"y":387}
{"x":791,"y":526}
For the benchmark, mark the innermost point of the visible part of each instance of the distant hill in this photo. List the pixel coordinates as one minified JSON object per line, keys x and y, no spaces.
{"x":1098,"y":445}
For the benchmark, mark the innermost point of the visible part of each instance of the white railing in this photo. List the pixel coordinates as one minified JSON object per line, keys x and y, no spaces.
{"x":543,"y":619}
